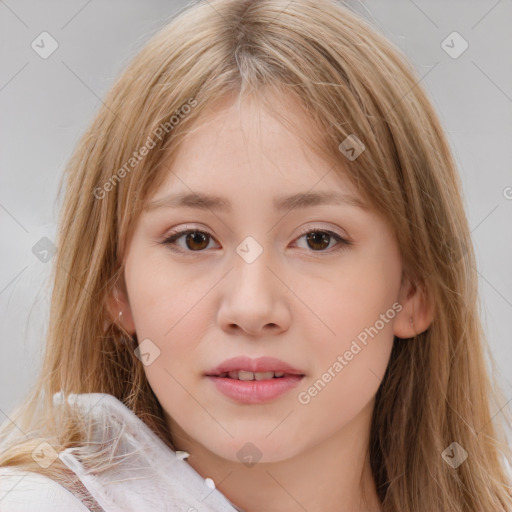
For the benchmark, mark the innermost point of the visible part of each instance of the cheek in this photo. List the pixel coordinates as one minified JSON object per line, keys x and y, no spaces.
{"x":359,"y":307}
{"x":352,"y":299}
{"x":351,"y":363}
{"x":346,"y":378}
{"x":169,"y":310}
{"x":163,"y":297}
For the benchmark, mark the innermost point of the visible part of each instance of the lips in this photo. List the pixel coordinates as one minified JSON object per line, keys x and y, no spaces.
{"x":254,"y":381}
{"x":245,"y":365}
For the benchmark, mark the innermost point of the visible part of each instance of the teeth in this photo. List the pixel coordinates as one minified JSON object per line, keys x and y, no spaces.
{"x":263,"y":375}
{"x":244,"y":375}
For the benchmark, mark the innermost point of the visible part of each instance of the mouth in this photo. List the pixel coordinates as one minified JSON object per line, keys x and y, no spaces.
{"x":253,"y":381}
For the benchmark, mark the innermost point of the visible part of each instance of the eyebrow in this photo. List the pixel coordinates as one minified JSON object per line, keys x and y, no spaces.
{"x":281,"y":203}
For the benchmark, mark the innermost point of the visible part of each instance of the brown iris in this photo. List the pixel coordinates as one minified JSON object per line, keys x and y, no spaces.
{"x":318,"y":237}
{"x":196,"y":237}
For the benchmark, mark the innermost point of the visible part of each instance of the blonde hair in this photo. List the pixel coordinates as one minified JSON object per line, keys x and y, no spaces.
{"x":350,"y":81}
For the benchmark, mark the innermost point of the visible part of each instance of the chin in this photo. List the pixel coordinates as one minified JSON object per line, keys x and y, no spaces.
{"x":255,"y":448}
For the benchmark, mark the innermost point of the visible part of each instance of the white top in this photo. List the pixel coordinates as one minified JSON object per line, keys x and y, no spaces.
{"x":154,"y":478}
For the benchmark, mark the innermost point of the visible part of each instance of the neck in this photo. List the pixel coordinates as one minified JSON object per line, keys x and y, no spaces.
{"x":334,"y":475}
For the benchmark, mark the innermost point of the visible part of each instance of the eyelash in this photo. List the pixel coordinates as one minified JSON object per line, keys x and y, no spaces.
{"x":170,"y":241}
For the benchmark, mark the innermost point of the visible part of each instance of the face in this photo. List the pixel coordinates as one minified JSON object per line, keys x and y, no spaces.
{"x":315,"y":286}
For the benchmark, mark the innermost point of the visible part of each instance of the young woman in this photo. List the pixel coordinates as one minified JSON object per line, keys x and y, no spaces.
{"x":265,"y":294}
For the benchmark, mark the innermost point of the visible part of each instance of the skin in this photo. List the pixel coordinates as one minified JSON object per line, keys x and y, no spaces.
{"x":299,"y":302}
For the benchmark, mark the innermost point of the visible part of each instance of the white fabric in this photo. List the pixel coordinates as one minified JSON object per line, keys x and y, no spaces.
{"x":24,"y":491}
{"x":154,"y":478}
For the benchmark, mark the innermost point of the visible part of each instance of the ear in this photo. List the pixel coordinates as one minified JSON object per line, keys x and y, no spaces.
{"x":417,"y":310}
{"x":119,"y":307}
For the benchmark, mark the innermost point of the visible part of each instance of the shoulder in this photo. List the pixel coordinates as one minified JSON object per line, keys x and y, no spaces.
{"x":26,"y":491}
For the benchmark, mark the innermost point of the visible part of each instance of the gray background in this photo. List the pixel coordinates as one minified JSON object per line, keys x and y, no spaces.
{"x":45,"y":104}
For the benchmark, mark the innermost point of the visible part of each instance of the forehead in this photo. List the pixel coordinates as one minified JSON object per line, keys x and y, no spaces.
{"x":242,"y":149}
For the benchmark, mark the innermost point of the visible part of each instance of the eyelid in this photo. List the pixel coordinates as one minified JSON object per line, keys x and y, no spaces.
{"x":315,"y":227}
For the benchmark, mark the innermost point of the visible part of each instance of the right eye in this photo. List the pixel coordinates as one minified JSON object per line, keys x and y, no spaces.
{"x":195,"y":240}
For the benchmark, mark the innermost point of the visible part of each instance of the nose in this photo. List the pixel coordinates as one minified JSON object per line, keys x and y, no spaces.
{"x":254,"y":299}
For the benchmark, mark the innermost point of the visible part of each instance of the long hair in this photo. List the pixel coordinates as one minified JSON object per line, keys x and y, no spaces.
{"x":350,"y":80}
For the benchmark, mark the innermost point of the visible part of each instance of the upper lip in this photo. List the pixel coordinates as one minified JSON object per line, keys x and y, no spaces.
{"x":261,"y":364}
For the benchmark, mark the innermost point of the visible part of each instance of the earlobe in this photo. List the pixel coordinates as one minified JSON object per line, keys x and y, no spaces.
{"x":119,"y":309}
{"x":417,"y":311}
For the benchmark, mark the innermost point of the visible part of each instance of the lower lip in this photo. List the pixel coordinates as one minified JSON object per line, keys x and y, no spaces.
{"x":255,"y":391}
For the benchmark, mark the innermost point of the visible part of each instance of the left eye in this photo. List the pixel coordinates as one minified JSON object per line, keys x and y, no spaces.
{"x":321,"y":239}
{"x":196,"y":241}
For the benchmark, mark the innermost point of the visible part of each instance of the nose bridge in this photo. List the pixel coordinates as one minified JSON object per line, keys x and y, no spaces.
{"x":251,"y":263}
{"x":252,"y":296}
